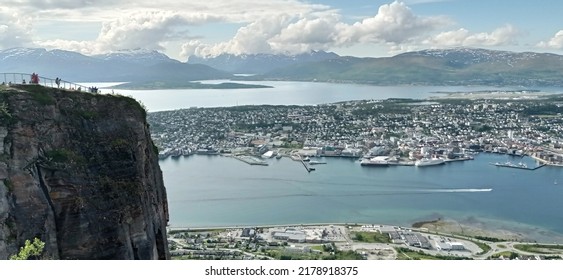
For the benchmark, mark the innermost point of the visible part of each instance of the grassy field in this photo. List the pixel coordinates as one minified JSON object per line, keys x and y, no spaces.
{"x":408,"y":254}
{"x":371,"y":237}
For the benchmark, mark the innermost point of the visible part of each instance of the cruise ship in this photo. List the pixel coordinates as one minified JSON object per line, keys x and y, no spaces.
{"x":429,"y":162}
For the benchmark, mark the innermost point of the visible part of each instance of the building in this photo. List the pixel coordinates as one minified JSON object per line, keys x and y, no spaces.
{"x":448,"y":246}
{"x":290,"y":235}
{"x":416,"y":240}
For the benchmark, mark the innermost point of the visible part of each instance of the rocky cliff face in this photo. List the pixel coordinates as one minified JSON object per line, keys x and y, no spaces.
{"x":80,"y":172}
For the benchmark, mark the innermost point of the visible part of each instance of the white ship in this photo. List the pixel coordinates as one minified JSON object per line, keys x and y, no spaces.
{"x":429,"y":162}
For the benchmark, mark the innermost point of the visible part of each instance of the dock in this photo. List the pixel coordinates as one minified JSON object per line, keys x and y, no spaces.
{"x":296,"y":157}
{"x":251,"y":160}
{"x":517,"y":166}
{"x":307,"y":167}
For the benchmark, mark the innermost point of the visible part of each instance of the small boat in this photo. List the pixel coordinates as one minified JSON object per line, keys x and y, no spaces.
{"x":555,"y":182}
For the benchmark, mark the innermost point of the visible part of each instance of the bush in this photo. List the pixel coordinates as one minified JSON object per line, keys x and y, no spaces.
{"x":30,"y":251}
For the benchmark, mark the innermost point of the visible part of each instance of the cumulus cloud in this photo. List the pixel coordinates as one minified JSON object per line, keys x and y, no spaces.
{"x":394,"y":23}
{"x":273,"y":26}
{"x":155,"y":24}
{"x":462,"y":37}
{"x":554,"y":43}
{"x":15,"y":30}
{"x":249,"y":39}
{"x":148,"y":30}
{"x":307,"y":34}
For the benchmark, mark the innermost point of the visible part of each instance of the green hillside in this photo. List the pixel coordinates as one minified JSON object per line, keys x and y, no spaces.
{"x":438,"y":67}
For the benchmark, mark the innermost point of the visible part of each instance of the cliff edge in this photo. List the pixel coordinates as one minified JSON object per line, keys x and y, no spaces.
{"x":80,"y":172}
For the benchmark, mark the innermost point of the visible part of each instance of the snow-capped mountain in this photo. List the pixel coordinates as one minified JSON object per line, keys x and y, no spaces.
{"x":460,"y":66}
{"x":259,"y":63}
{"x":462,"y":57}
{"x":135,"y":65}
{"x":137,"y":56}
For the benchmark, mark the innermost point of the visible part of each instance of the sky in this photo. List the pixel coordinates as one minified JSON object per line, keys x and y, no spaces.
{"x":363,"y":28}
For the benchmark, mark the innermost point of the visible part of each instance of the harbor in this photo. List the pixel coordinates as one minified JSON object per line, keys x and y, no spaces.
{"x":343,"y":191}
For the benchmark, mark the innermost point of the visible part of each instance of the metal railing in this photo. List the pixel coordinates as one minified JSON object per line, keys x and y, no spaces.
{"x":24,"y":78}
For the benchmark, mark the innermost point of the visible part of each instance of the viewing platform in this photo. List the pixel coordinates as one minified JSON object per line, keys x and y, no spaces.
{"x":8,"y":79}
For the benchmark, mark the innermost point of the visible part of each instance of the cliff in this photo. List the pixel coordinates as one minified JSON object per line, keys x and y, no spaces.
{"x":80,"y":172}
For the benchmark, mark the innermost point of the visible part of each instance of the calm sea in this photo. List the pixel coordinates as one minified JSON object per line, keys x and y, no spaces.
{"x":221,"y":191}
{"x":286,"y":93}
{"x":217,"y":191}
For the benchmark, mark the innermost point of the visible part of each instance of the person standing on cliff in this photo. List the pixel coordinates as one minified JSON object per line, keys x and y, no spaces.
{"x":34,"y":78}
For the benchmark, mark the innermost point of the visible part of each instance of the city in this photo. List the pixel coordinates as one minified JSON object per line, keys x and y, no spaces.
{"x":403,"y":131}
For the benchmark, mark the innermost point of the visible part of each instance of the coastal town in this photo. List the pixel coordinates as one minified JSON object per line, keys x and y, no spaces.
{"x":450,"y":127}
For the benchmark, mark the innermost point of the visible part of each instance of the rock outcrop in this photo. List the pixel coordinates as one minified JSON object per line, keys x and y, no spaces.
{"x":80,"y":172}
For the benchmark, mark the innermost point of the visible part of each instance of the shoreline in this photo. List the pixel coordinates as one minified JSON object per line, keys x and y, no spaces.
{"x":472,"y":228}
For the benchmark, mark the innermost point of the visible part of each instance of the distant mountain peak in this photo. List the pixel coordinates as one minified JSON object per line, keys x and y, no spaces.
{"x":124,"y":65}
{"x":261,"y":62}
{"x":137,"y":56}
{"x":464,"y":56}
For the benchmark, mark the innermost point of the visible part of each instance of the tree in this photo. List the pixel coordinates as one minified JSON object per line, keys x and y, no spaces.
{"x":30,"y":251}
{"x":360,"y":237}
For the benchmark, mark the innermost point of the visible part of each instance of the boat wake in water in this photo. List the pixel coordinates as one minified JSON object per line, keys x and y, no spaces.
{"x":459,"y":190}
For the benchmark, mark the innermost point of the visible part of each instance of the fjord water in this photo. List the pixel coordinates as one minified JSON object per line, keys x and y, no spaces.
{"x":217,"y":191}
{"x":288,"y":93}
{"x":207,"y":191}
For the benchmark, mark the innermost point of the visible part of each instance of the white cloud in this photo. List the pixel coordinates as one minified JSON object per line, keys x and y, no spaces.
{"x":273,"y":26}
{"x":393,"y":24}
{"x":462,"y":37}
{"x":15,"y":29}
{"x":147,"y":29}
{"x":554,"y":43}
{"x":96,"y":10}
{"x":155,"y":24}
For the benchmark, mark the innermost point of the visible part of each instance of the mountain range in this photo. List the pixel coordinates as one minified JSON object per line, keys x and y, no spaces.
{"x":459,"y":66}
{"x":130,"y":65}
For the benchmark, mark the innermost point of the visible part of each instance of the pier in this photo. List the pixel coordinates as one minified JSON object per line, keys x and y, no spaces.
{"x":296,"y":157}
{"x":251,"y":160}
{"x":517,"y":166}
